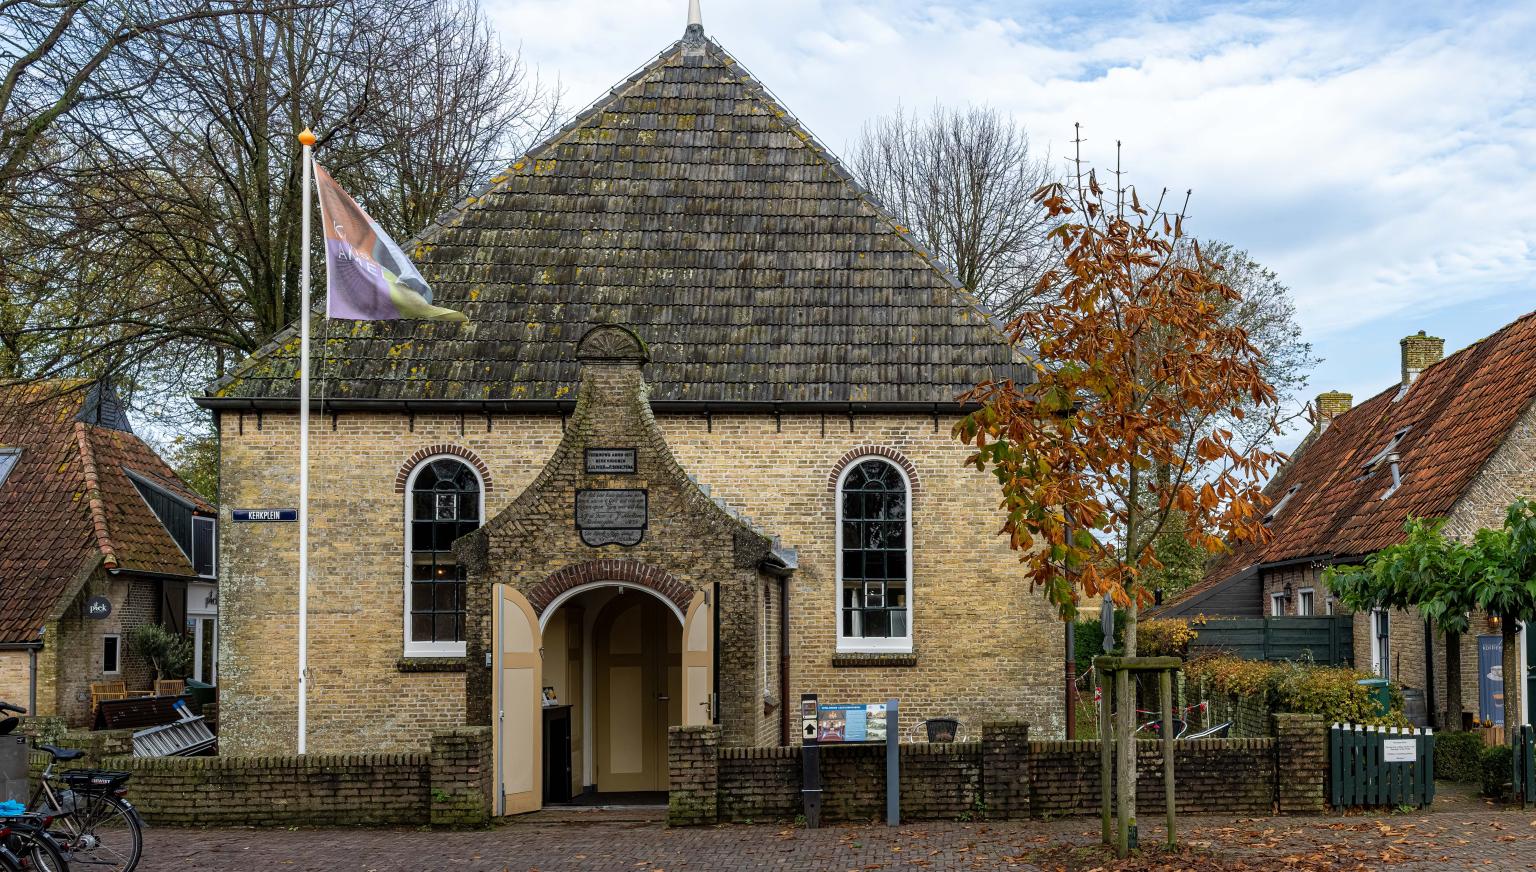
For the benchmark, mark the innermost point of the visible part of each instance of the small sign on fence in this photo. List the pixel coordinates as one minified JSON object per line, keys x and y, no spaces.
{"x":1374,"y":766}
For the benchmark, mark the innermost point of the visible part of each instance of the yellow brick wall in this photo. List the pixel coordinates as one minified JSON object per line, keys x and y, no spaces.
{"x":15,"y":677}
{"x":987,"y":647}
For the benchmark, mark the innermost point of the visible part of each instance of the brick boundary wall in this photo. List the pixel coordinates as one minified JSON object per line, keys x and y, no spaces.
{"x":1005,"y":775}
{"x":450,"y":786}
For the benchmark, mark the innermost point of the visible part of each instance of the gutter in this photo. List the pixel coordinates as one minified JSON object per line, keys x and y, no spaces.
{"x":486,"y":407}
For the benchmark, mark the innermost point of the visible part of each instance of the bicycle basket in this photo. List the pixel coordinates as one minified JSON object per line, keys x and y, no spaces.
{"x":95,"y":780}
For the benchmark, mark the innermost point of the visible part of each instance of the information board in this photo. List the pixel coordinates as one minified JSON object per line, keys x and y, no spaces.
{"x":851,"y":723}
{"x":1399,"y":751}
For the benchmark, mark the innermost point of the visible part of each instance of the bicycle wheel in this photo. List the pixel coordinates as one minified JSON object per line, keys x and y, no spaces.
{"x":6,"y":863}
{"x":36,"y":852}
{"x":102,"y":834}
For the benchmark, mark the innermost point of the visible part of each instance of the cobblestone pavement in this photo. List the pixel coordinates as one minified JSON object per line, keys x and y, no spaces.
{"x":1459,"y":835}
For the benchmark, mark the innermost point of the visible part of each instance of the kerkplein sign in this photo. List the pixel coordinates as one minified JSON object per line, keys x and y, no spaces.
{"x":612,"y":516}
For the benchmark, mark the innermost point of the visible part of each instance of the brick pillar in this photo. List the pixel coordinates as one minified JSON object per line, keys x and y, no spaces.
{"x":1005,"y":769}
{"x":462,"y":772}
{"x":1301,"y":756}
{"x":693,"y":758}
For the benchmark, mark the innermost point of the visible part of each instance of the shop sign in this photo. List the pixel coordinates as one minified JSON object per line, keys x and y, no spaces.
{"x":610,"y":461}
{"x":98,"y":607}
{"x":612,"y":516}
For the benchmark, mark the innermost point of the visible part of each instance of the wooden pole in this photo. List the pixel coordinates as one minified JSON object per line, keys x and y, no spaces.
{"x":1106,"y":765}
{"x":1165,"y":690}
{"x":1125,"y":774}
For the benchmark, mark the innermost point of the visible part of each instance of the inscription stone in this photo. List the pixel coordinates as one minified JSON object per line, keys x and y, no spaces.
{"x":610,"y":460}
{"x":616,"y":516}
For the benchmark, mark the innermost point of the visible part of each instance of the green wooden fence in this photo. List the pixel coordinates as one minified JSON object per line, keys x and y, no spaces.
{"x":1327,"y":640}
{"x":1524,"y":770}
{"x":1388,"y":766}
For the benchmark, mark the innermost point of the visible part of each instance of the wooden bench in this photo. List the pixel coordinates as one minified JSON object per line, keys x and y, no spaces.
{"x":135,"y":713}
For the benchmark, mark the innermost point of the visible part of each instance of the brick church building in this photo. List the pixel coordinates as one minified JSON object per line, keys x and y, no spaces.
{"x":689,"y":459}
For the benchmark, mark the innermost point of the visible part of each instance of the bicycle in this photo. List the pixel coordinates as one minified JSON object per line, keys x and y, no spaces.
{"x":26,"y":846}
{"x":87,"y":814}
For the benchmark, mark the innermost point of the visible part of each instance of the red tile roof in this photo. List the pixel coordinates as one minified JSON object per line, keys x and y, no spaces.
{"x":68,"y":504}
{"x":1451,"y":419}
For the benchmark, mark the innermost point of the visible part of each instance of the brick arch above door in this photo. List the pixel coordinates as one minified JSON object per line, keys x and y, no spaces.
{"x":653,"y":578}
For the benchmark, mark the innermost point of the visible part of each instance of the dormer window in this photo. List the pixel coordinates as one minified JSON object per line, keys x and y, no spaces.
{"x":1381,"y":456}
{"x":1277,"y":507}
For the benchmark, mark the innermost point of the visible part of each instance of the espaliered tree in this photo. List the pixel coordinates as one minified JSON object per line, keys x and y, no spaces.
{"x":1096,"y":459}
{"x":1430,"y":573}
{"x":1506,"y":586}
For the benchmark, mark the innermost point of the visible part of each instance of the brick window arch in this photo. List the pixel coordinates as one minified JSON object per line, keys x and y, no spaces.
{"x":864,"y":451}
{"x":404,"y":475}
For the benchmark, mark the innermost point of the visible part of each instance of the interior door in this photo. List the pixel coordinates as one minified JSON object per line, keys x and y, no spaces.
{"x":639,"y":692}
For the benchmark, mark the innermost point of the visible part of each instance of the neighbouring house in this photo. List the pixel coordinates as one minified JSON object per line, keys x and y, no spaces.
{"x":694,"y":446}
{"x":1455,"y":438}
{"x":97,"y":536}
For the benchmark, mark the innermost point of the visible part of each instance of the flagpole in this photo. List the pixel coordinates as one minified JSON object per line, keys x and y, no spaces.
{"x":307,"y":138}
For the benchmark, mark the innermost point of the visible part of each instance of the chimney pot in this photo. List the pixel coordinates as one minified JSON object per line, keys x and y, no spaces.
{"x":1420,"y":352}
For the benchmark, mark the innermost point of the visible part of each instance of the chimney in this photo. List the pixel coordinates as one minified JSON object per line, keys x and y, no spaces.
{"x":1330,"y":405}
{"x":1419,"y":353}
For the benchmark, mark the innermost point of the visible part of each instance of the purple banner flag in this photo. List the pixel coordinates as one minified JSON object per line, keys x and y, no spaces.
{"x":367,"y":276}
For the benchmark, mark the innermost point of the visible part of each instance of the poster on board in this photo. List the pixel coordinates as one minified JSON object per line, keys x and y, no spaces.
{"x":855,"y":722}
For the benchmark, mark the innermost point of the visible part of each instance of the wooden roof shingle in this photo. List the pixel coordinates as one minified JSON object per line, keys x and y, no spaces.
{"x":688,"y":205}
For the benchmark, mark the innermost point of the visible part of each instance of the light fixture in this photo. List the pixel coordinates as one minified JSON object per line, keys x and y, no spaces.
{"x":1494,"y":622}
{"x":1288,"y":592}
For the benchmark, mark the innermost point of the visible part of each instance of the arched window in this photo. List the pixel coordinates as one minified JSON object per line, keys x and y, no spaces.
{"x":874,"y":558}
{"x":443,"y":503}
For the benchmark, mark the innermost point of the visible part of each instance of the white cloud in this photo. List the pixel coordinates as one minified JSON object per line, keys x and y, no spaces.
{"x":1380,"y":160}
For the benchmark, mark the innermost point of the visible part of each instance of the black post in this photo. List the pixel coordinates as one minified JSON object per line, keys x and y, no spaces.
{"x":1071,"y":673}
{"x":892,"y":764}
{"x":810,"y":757}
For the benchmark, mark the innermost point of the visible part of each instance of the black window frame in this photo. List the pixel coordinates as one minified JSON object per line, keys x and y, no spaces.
{"x":435,"y":586}
{"x":874,"y":559}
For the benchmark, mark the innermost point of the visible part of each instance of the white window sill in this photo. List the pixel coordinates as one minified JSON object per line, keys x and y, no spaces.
{"x":872,"y":646}
{"x":437,"y":650}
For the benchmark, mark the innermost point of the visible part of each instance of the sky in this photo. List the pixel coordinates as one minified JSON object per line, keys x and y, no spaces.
{"x":1381,"y":158}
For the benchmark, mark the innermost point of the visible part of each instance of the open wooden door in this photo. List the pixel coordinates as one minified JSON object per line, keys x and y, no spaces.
{"x":517,"y":678}
{"x":698,"y":665}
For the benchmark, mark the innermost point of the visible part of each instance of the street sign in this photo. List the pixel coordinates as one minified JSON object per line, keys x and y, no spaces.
{"x":265,"y":514}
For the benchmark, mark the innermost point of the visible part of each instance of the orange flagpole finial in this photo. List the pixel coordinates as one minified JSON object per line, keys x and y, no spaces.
{"x":307,"y":136}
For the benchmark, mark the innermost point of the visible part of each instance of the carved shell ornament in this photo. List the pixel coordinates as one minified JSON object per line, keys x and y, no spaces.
{"x":611,"y":342}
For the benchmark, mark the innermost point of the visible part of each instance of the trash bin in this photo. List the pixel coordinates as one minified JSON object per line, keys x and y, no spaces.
{"x":1381,"y":693}
{"x":202,"y":693}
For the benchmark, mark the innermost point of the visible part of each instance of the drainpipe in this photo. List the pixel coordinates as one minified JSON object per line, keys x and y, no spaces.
{"x":784,"y":695}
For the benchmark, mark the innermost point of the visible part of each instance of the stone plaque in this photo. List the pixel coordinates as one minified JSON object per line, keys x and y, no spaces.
{"x":610,"y":460}
{"x":616,"y":516}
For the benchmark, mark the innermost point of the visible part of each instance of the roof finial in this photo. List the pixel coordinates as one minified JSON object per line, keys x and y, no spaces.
{"x":693,"y":37}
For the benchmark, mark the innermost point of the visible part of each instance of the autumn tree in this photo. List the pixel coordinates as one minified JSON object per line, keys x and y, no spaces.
{"x":1427,"y":572}
{"x":1090,"y":455}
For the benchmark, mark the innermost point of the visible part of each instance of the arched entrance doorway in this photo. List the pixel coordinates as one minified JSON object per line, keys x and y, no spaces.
{"x":611,"y":666}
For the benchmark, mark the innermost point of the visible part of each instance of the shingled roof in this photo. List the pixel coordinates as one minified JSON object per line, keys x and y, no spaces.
{"x":690,"y":206}
{"x":1446,"y":425}
{"x":69,"y":505}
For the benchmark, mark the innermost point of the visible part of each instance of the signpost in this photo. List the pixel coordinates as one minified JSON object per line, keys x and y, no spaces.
{"x":848,"y":723}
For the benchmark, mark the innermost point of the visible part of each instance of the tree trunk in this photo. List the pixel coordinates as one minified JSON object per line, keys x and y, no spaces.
{"x":1512,"y":679}
{"x":1452,"y":682}
{"x":1125,"y":762}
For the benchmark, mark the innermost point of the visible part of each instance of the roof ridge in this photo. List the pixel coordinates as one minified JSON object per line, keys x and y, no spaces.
{"x":97,"y":507}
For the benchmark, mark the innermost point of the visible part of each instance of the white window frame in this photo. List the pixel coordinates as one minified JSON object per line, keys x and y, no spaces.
{"x":117,"y":640}
{"x":1311,"y":595}
{"x":1276,"y":604}
{"x":213,"y":543}
{"x":426,"y":649}
{"x":1381,"y":660}
{"x":862,"y":644}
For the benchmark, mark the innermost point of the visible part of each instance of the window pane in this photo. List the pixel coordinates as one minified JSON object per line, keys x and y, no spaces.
{"x":893,"y":534}
{"x":421,"y":597}
{"x":899,"y":623}
{"x":421,"y":628}
{"x":421,"y":505}
{"x":853,"y":563}
{"x":896,"y":595}
{"x":446,"y":624}
{"x":896,"y":564}
{"x":447,"y":597}
{"x":877,"y":623}
{"x":443,"y":536}
{"x":851,"y":535}
{"x":469,"y":506}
